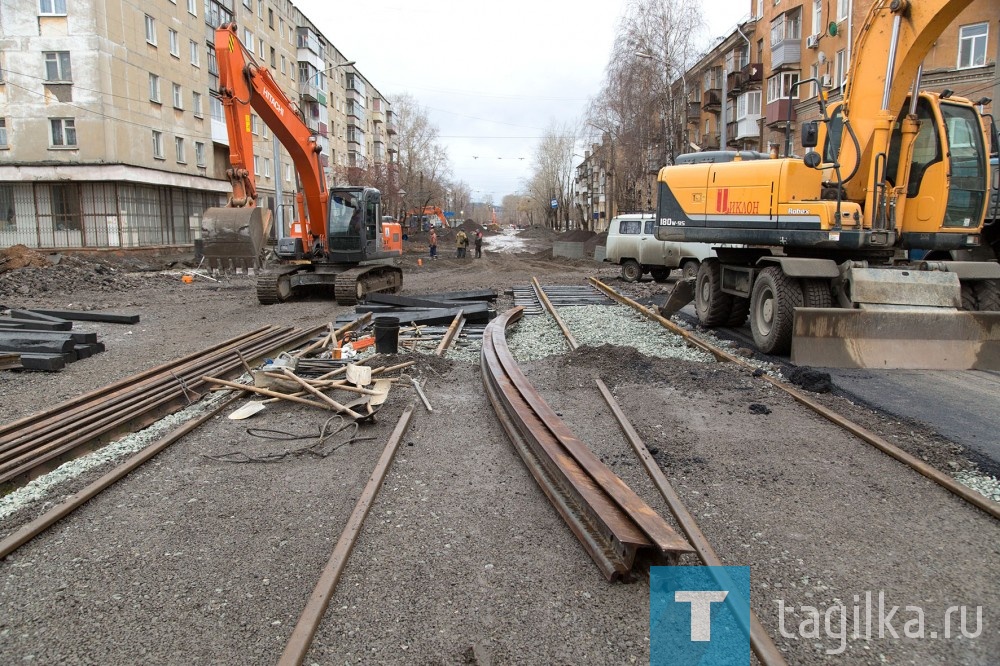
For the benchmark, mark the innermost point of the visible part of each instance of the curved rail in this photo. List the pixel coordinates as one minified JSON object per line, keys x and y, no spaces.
{"x":971,"y":496}
{"x":616,"y":527}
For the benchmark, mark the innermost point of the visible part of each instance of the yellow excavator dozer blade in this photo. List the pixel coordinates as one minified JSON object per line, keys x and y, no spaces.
{"x":234,"y":237}
{"x":915,"y":339}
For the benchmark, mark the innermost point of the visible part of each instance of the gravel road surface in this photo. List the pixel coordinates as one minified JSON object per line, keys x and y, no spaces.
{"x":197,"y":559}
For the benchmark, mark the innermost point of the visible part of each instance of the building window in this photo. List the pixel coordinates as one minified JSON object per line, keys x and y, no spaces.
{"x":972,"y":45}
{"x":65,"y":208}
{"x":270,"y":18}
{"x":840,"y":72}
{"x":179,"y":150}
{"x":273,"y":58}
{"x":817,"y":17}
{"x":288,"y":173}
{"x":3,"y":133}
{"x":842,"y":6}
{"x":52,"y":7}
{"x":814,"y":74}
{"x":248,"y":40}
{"x":256,"y":165}
{"x":199,"y":153}
{"x":178,"y":97}
{"x":175,"y":47}
{"x":57,"y":67}
{"x":195,"y":54}
{"x":246,"y":3}
{"x":267,"y":168}
{"x":196,"y":104}
{"x":158,"y":144}
{"x":193,"y":7}
{"x":253,"y":124}
{"x":150,"y":30}
{"x":787,"y":27}
{"x":748,"y":104}
{"x":263,"y":130}
{"x":63,"y":132}
{"x":154,"y":88}
{"x":779,"y":86}
{"x":283,"y":64}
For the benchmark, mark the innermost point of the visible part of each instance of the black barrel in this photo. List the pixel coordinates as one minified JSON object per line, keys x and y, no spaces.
{"x":387,"y":335}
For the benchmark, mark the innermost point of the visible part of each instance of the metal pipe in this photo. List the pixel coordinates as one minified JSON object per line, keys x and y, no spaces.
{"x":890,"y":64}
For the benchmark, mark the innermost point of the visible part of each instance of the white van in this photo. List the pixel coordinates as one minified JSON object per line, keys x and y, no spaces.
{"x":633,"y":245}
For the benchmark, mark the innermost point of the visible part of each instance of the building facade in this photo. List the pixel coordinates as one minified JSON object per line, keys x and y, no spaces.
{"x":111,"y":135}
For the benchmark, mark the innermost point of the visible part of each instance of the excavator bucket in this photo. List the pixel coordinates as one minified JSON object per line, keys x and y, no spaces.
{"x":915,"y":339}
{"x":234,"y":237}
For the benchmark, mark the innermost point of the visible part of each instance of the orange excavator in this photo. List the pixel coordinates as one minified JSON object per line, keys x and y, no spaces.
{"x":339,"y":240}
{"x":427,"y":216}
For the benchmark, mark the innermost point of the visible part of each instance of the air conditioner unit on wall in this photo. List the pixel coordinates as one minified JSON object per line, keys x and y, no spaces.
{"x":812,"y":41}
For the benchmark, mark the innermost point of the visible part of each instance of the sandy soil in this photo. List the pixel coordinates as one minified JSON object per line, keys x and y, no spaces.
{"x":462,"y":559}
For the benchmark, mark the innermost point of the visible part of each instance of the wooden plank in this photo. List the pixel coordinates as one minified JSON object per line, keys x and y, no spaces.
{"x":74,"y":315}
{"x":38,"y":316}
{"x":36,"y":324}
{"x":79,"y":337}
{"x":471,"y":295}
{"x":44,"y":362}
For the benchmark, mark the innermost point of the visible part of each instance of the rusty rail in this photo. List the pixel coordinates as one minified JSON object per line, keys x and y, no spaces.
{"x":38,"y":443}
{"x":618,"y":530}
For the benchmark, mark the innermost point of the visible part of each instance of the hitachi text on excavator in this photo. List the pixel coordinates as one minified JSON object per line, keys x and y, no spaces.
{"x":339,"y":240}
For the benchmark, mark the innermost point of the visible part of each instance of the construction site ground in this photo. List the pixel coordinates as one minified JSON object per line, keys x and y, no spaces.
{"x":193,"y":559}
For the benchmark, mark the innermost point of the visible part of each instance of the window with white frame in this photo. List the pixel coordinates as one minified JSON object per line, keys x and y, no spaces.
{"x":195,"y":54}
{"x":780,"y":85}
{"x":253,"y":124}
{"x":283,"y":63}
{"x":179,"y":150}
{"x":178,"y":96}
{"x":840,"y":69}
{"x":154,"y":88}
{"x":748,"y":104}
{"x":817,"y":26}
{"x":787,"y":27}
{"x":256,"y":165}
{"x":288,"y":173}
{"x":972,"y":45}
{"x":814,"y":74}
{"x":192,"y":7}
{"x":52,"y":7}
{"x":150,"y":30}
{"x":158,"y":144}
{"x":246,"y":3}
{"x":57,"y":66}
{"x":62,"y":132}
{"x":248,"y":40}
{"x":196,"y":106}
{"x":267,"y":167}
{"x":842,"y":8}
{"x":260,"y":9}
{"x":3,"y":133}
{"x":760,"y":9}
{"x":260,"y":44}
{"x":175,"y":43}
{"x":199,"y":153}
{"x":263,"y":130}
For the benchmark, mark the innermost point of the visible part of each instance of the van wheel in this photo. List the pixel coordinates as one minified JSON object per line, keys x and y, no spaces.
{"x":631,"y":270}
{"x":660,"y":274}
{"x":689,"y":269}
{"x":772,"y":310}
{"x":712,"y":305}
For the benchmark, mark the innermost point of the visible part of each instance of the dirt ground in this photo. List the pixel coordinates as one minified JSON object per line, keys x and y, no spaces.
{"x":194,"y":559}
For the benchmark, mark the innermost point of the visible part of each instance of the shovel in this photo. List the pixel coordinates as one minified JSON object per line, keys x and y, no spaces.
{"x":247,"y":410}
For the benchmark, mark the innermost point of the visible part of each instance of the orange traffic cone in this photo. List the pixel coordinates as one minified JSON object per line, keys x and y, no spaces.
{"x":420,"y":262}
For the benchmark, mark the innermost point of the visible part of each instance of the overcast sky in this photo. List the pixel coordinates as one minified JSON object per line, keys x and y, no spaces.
{"x":492,"y":75}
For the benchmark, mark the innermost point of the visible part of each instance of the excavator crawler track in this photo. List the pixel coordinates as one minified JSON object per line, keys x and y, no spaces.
{"x":353,"y":285}
{"x":272,"y":288}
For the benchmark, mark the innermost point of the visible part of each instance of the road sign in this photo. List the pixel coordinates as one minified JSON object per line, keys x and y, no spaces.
{"x":554,"y":203}
{"x":449,"y":214}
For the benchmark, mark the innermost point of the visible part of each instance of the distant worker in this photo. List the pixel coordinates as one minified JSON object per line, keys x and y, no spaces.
{"x":434,"y":244}
{"x":461,"y":243}
{"x":479,"y":244}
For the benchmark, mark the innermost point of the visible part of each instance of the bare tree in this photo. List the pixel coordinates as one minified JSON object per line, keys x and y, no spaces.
{"x":422,"y":162}
{"x":553,"y":176}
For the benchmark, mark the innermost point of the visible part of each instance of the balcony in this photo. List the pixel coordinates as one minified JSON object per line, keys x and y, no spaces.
{"x":786,"y":54}
{"x":748,"y":127}
{"x":694,"y":110}
{"x":752,"y":74}
{"x":734,"y":83}
{"x":732,"y":130}
{"x":378,"y":117}
{"x":779,"y":112}
{"x":311,"y":92}
{"x":711,"y":100}
{"x":710,"y":142}
{"x":390,"y":125}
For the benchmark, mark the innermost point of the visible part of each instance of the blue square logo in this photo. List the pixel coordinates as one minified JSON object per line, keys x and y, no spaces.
{"x":699,"y":616}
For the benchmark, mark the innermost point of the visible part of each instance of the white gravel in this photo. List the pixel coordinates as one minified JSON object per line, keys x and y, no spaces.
{"x":987,"y":486}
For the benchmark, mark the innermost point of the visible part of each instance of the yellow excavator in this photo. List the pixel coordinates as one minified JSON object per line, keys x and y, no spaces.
{"x":822,"y":263}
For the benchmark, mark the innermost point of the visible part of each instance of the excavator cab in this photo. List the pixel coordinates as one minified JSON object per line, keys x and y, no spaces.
{"x":353,"y":227}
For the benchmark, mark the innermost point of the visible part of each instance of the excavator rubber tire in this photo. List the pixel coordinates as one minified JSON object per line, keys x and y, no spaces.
{"x":987,"y":295}
{"x":772,"y":310}
{"x":713,"y":306}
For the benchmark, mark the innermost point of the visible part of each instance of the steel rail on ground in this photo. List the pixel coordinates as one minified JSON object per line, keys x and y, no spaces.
{"x":616,"y":527}
{"x":964,"y":492}
{"x":47,"y":439}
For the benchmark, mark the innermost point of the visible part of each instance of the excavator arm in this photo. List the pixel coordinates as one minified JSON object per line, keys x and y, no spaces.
{"x":236,"y":234}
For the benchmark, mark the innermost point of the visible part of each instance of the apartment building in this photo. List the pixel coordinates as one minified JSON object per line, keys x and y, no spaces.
{"x":111,"y":137}
{"x":746,"y":92}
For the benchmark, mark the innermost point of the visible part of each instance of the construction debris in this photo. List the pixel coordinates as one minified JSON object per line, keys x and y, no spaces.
{"x":43,"y":341}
